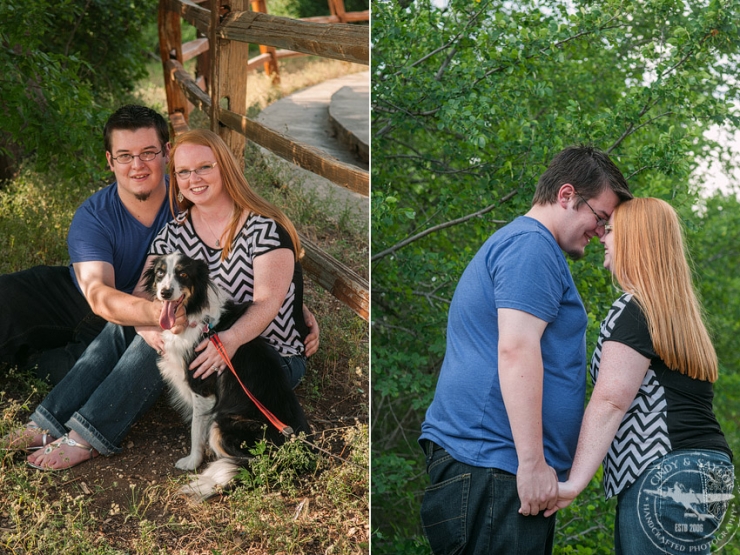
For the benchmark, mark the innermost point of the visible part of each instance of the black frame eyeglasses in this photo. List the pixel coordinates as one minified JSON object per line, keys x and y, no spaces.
{"x":146,"y":156}
{"x":600,"y":222}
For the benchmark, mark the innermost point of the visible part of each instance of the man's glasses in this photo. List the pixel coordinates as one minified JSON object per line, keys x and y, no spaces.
{"x":203,"y":170}
{"x":600,"y":222}
{"x":146,"y":156}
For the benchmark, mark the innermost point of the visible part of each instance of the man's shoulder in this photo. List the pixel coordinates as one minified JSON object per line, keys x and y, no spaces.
{"x":525,"y":236}
{"x":102,"y":199}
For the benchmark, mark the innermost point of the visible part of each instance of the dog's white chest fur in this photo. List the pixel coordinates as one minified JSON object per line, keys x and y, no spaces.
{"x":179,"y":349}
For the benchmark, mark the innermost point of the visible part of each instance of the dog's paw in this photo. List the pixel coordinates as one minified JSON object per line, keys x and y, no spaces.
{"x":191,"y":462}
{"x":198,"y":491}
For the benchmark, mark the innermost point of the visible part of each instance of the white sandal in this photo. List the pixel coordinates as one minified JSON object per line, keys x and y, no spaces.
{"x":46,"y":439}
{"x":57,"y":444}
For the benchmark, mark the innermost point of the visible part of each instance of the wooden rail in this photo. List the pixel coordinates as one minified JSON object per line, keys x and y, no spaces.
{"x":301,"y":154}
{"x":223,"y":49}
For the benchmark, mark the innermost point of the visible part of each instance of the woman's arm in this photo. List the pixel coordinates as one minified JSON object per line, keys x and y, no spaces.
{"x":621,"y":373}
{"x":273,"y":274}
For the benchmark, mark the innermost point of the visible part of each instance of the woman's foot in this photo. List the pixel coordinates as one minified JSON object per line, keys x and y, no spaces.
{"x":29,"y":438}
{"x":66,"y":452}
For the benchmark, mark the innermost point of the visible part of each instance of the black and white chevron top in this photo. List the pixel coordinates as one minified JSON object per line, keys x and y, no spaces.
{"x":235,"y":274}
{"x":671,"y":410}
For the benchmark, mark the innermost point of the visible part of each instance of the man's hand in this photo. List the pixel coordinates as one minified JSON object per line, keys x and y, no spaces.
{"x":181,"y":321}
{"x":152,"y":337}
{"x":312,"y":339}
{"x":537,"y":487}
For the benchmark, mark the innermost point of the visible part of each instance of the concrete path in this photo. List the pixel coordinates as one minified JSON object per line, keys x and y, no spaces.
{"x":335,"y":117}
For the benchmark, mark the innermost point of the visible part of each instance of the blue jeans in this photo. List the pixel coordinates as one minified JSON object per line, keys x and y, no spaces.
{"x":676,"y":505}
{"x":295,"y":368}
{"x":472,"y":510}
{"x":112,"y":385}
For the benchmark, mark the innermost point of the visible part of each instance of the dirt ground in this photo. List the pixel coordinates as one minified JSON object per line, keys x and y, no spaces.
{"x":148,"y":459}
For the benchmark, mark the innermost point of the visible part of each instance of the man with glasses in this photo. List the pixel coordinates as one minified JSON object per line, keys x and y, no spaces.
{"x":52,"y":314}
{"x":504,"y":422}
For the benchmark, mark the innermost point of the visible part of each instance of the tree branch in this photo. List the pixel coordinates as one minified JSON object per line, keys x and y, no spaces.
{"x":449,"y":43}
{"x":446,"y":168}
{"x":74,"y":29}
{"x":631,"y":129}
{"x":640,"y":170}
{"x":444,"y":225}
{"x":446,"y":63}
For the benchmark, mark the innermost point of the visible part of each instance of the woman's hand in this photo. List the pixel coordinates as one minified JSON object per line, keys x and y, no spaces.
{"x":567,"y":492}
{"x":209,"y":360}
{"x":311,"y":342}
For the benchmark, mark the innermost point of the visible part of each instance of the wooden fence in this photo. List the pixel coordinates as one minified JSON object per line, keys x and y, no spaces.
{"x":269,"y":56}
{"x":226,"y":30}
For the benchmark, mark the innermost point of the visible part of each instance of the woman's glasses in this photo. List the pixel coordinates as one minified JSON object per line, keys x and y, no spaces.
{"x":203,"y":170}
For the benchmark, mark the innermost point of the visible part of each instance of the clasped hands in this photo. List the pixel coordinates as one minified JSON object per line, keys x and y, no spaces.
{"x":539,"y":491}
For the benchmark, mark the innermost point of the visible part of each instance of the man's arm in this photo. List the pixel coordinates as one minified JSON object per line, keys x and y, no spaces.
{"x":521,"y":376}
{"x":97,"y":282}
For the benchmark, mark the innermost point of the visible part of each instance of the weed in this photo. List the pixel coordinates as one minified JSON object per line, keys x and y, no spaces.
{"x":140,"y":502}
{"x":278,"y":468}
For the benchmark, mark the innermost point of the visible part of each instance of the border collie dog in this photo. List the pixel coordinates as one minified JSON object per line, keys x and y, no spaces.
{"x":221,"y":413}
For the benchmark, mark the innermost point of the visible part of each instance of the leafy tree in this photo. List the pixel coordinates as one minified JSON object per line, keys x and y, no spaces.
{"x":310,"y":8}
{"x":470,"y":101}
{"x":713,"y":231}
{"x":62,"y":62}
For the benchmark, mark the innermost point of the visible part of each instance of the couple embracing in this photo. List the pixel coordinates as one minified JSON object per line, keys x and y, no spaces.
{"x":506,"y":438}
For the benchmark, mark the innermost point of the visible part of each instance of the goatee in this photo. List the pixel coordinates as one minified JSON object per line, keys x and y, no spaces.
{"x":143,"y":197}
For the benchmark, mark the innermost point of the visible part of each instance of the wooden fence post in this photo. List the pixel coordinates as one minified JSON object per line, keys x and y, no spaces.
{"x":336,"y":7}
{"x":170,"y":48}
{"x":228,"y":74}
{"x":271,"y":65}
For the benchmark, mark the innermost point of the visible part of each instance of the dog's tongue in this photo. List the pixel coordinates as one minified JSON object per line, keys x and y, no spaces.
{"x":167,"y":317}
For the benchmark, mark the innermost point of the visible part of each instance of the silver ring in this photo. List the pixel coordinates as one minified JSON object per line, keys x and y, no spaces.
{"x":214,"y":367}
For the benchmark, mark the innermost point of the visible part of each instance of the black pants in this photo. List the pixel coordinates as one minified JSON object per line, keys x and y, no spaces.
{"x":45,"y":322}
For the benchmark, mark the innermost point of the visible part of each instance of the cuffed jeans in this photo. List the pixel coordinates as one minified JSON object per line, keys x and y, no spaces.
{"x":45,"y":321}
{"x":112,"y":385}
{"x":475,"y":511}
{"x":674,"y":506}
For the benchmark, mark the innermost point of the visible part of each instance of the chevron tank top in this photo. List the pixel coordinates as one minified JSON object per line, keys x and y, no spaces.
{"x":671,"y":411}
{"x":235,"y":275}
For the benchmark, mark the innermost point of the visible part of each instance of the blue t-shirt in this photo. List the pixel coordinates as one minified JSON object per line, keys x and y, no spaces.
{"x":103,"y":230}
{"x":520,"y":267}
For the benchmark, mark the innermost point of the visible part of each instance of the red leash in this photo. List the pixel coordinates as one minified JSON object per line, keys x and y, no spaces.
{"x":285,"y":430}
